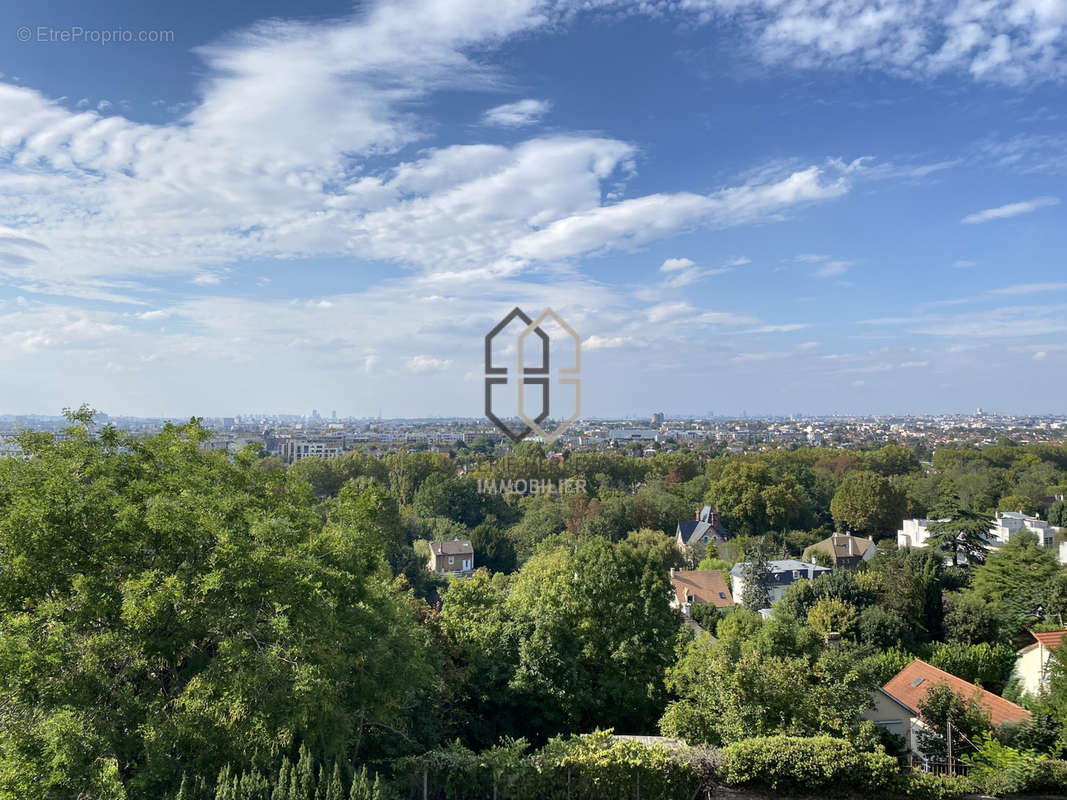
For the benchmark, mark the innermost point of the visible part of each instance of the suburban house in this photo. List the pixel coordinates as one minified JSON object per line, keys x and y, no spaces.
{"x":1031,"y":663}
{"x":843,"y":549}
{"x":896,"y":705}
{"x":692,"y":587}
{"x":455,"y":557}
{"x":696,"y":535}
{"x":783,"y":574}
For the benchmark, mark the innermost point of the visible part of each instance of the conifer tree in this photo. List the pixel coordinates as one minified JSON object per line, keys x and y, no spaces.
{"x":334,"y":787}
{"x":253,"y":786}
{"x":361,"y":788}
{"x":285,"y":775}
{"x":225,"y":786}
{"x":305,"y":776}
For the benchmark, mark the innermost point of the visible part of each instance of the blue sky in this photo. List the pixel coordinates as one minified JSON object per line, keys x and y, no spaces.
{"x":830,"y":206}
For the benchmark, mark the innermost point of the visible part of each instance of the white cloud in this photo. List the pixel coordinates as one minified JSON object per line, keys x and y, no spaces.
{"x":517,"y":115}
{"x":1010,"y":210}
{"x":1003,"y":41}
{"x":785,"y":328}
{"x":674,"y":264}
{"x":963,"y":264}
{"x":1030,"y":288}
{"x":605,"y":342}
{"x":833,"y":269}
{"x":633,"y":222}
{"x":428,"y":364}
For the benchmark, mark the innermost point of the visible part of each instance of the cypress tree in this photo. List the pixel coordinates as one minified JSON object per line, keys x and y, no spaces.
{"x":376,"y":790}
{"x":334,"y":788}
{"x":361,"y":789}
{"x":185,"y":790}
{"x":224,"y":786}
{"x":281,"y":787}
{"x":305,"y":776}
{"x":253,"y":786}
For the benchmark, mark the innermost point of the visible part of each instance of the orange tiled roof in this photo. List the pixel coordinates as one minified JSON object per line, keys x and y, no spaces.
{"x":705,"y":585}
{"x":910,"y":685}
{"x":1050,"y":639}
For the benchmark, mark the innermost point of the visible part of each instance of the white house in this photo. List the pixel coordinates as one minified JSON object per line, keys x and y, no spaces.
{"x":1031,"y":663}
{"x":783,"y":573}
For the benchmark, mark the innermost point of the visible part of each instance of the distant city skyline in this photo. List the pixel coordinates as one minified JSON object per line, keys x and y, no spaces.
{"x":742,"y":205}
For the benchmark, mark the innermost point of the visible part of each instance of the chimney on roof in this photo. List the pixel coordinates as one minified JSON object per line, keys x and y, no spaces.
{"x":850,"y":545}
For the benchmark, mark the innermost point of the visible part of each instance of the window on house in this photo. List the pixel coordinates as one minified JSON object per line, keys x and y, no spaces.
{"x":451,"y":559}
{"x":722,"y":595}
{"x":689,"y":598}
{"x":917,"y":681}
{"x":466,"y":564}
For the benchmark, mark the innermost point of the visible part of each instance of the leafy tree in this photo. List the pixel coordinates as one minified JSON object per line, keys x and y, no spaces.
{"x":890,"y":460}
{"x":1016,"y":577}
{"x":712,"y":562}
{"x":657,"y":547}
{"x":762,"y":679}
{"x":830,"y":615}
{"x":1057,"y":514}
{"x":882,"y":628}
{"x":595,"y":633}
{"x":492,"y":548}
{"x":972,"y":619}
{"x":753,"y":497}
{"x":987,"y":665}
{"x":869,"y":504}
{"x":158,"y":598}
{"x":909,"y":584}
{"x":1015,"y":502}
{"x":941,"y":705}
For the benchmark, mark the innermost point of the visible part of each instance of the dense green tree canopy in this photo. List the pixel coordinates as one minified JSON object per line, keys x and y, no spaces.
{"x":163,"y":606}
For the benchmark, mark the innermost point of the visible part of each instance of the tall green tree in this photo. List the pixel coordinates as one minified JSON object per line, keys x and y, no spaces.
{"x":159,"y":600}
{"x":756,"y":575}
{"x":868,"y":504}
{"x":595,"y":633}
{"x":1017,"y":577}
{"x":958,"y":529}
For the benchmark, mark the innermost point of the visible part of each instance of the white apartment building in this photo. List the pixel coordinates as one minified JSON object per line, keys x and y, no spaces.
{"x":292,"y":450}
{"x":1008,"y":523}
{"x":634,"y":435}
{"x":915,"y":532}
{"x":1004,"y":526}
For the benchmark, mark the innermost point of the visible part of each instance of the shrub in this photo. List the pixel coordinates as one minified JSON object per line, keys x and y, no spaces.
{"x":999,"y":769}
{"x":925,"y":786}
{"x":819,"y":764}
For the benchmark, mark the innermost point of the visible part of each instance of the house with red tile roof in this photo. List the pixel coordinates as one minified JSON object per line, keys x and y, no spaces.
{"x":896,"y":705}
{"x":695,"y":586}
{"x":1032,"y":662}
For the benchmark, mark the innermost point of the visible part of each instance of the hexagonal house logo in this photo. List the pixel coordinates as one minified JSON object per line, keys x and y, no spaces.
{"x":539,"y":375}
